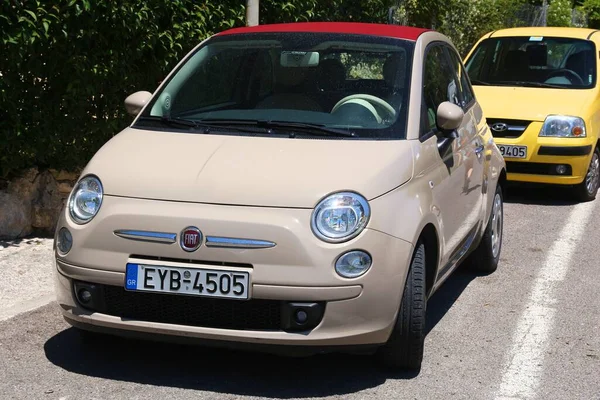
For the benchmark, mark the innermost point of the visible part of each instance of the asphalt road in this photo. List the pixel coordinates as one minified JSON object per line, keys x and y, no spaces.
{"x":529,"y":331}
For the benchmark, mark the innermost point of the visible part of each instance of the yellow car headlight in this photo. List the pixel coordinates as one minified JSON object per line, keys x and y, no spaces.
{"x":563,"y":126}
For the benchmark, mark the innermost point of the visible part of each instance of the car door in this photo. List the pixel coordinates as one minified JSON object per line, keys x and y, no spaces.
{"x":458,"y":193}
{"x":475,"y":134}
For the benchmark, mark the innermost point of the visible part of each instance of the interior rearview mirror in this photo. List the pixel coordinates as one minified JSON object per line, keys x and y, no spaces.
{"x":449,"y":116}
{"x":136,"y":101}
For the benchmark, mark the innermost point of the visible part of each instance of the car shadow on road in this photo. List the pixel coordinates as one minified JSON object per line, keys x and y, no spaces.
{"x":233,"y":371}
{"x":543,"y":195}
{"x":444,"y":298}
{"x":224,"y":371}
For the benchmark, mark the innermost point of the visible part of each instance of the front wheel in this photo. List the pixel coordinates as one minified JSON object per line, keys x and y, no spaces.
{"x":404,"y":348}
{"x":487,"y":254}
{"x":587,"y":190}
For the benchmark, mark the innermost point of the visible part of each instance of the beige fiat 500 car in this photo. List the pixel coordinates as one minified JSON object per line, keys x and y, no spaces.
{"x":287,"y":187}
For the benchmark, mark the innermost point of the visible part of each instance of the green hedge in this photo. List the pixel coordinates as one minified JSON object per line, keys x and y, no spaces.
{"x":67,"y":65}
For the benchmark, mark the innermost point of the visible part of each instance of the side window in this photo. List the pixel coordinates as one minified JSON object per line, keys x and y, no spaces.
{"x":465,"y":90}
{"x":439,"y":85}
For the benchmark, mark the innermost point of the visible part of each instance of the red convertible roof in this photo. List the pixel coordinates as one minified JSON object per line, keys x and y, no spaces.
{"x":395,"y":31}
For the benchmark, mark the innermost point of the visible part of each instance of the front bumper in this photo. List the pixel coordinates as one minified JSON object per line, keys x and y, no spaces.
{"x":300,"y":268}
{"x":545,"y":154}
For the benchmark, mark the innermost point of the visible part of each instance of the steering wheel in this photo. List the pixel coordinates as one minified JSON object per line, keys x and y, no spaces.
{"x":376,"y":101}
{"x":565,"y":72}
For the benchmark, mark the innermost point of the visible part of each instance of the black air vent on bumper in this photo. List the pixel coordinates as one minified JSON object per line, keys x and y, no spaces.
{"x":253,"y":314}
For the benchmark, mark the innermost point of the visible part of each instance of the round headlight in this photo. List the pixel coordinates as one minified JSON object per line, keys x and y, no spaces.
{"x":86,"y":199}
{"x":353,"y":264}
{"x":340,"y":217}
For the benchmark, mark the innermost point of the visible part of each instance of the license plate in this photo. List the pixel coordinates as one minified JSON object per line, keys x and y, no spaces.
{"x":187,"y":281}
{"x":511,"y":151}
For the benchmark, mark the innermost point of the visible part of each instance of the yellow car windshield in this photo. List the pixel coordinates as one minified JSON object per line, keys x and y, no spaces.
{"x":534,"y":61}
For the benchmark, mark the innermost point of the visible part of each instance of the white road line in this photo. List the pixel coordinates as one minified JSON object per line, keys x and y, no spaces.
{"x":524,"y":366}
{"x":25,"y":306}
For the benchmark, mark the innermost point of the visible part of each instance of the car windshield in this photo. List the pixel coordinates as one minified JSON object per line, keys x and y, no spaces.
{"x":275,"y":84}
{"x":546,"y":62}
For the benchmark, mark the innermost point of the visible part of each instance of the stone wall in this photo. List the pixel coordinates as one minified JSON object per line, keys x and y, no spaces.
{"x":31,"y":202}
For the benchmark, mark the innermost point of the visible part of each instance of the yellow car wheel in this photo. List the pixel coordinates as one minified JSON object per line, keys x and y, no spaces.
{"x":587,"y":190}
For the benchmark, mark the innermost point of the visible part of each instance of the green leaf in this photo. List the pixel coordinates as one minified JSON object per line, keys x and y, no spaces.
{"x":46,"y":26}
{"x":32,"y":14}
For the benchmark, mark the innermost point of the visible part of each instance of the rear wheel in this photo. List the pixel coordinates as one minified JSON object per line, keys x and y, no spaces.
{"x":404,"y":348}
{"x":487,"y":254}
{"x":587,"y":190}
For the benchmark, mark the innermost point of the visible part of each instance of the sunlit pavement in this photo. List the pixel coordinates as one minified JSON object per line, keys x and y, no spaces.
{"x":529,"y":331}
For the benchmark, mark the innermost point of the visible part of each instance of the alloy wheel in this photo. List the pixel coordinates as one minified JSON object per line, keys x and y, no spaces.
{"x":593,"y":176}
{"x":496,"y":225}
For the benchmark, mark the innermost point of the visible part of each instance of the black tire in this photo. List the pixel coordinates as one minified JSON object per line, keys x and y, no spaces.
{"x":404,"y":348}
{"x":486,"y":256}
{"x":588,"y":189}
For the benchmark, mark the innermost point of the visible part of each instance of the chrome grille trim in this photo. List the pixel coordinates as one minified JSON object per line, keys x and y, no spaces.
{"x":147,"y":236}
{"x":237,"y":243}
{"x":507,"y":128}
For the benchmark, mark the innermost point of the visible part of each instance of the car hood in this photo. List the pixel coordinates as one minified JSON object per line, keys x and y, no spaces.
{"x":251,"y":171}
{"x":531,"y":104}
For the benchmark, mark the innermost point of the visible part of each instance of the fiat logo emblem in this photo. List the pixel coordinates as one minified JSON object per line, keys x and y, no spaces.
{"x":499,"y":127}
{"x":191,"y":238}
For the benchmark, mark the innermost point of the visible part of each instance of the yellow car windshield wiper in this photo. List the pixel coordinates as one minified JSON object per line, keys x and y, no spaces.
{"x":529,"y":84}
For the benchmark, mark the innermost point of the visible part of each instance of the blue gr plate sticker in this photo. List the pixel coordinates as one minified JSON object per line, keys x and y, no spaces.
{"x":131,"y":274}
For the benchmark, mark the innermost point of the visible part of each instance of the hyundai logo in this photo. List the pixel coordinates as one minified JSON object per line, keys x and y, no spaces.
{"x":191,"y":238}
{"x":499,"y":127}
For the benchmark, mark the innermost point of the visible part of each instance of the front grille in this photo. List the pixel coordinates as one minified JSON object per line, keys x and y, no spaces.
{"x":536,"y":168}
{"x":514,"y":127}
{"x":254,"y":314}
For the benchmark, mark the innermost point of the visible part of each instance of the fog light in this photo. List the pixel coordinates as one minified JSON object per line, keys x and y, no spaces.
{"x":301,"y":316}
{"x":84,"y":296}
{"x":64,"y":241}
{"x":353,"y":264}
{"x":561,"y":169}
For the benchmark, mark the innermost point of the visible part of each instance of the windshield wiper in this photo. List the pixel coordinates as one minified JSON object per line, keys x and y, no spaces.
{"x":478,"y":82}
{"x":315,"y":129}
{"x":529,"y":84}
{"x":190,"y":123}
{"x":177,"y":121}
{"x":540,"y":84}
{"x":180,"y":121}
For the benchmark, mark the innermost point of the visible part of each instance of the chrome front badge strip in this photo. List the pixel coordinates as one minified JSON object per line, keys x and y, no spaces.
{"x":147,"y":236}
{"x":235,"y":243}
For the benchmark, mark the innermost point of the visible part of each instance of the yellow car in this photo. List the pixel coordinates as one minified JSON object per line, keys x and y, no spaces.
{"x":538,"y":88}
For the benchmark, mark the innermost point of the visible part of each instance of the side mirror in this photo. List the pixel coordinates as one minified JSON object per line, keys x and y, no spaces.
{"x":449,"y":117}
{"x":136,"y":101}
